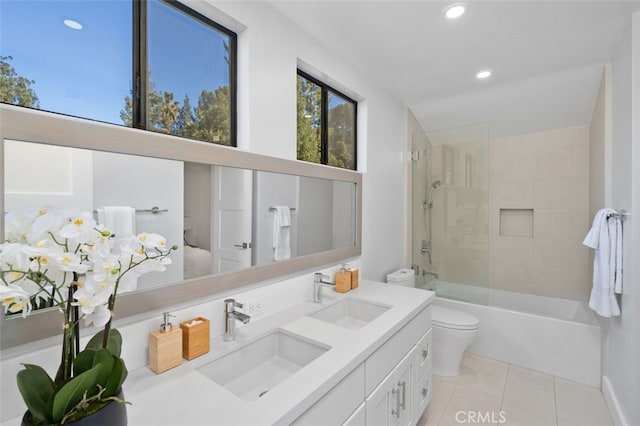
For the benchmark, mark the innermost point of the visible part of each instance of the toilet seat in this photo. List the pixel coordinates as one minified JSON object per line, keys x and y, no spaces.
{"x":453,"y":319}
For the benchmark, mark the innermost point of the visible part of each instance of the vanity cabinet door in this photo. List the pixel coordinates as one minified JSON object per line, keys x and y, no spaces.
{"x":390,"y":404}
{"x":381,"y":402}
{"x":405,"y":387}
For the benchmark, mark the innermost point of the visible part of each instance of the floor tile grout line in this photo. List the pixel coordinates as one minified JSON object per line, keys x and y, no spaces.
{"x":504,"y":389}
{"x":446,"y":405}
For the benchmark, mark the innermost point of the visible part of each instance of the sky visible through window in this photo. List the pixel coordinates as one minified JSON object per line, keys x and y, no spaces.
{"x":88,"y":72}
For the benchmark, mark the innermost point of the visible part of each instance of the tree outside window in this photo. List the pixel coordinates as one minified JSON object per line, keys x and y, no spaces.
{"x":326,"y":124}
{"x":181,"y":80}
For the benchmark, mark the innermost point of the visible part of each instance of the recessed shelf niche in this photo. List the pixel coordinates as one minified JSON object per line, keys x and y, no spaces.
{"x":516,"y":223}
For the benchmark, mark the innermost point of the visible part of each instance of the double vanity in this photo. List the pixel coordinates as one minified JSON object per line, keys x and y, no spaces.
{"x":358,"y":358}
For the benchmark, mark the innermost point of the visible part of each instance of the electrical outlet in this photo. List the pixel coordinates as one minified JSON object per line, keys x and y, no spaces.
{"x":255,"y":307}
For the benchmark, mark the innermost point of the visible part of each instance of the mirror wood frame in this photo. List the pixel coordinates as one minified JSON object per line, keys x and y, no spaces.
{"x":22,"y":124}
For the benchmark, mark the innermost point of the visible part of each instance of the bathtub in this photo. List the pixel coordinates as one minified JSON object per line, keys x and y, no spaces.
{"x":555,"y":336}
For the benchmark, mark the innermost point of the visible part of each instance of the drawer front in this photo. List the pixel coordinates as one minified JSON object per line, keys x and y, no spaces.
{"x":423,"y":355}
{"x":422,"y":395}
{"x":381,"y":362}
{"x":336,"y":405}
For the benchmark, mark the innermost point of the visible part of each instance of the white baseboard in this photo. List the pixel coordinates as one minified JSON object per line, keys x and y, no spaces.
{"x":612,"y":401}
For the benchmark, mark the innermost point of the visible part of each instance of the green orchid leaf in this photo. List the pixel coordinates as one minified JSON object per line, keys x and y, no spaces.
{"x":72,"y":392}
{"x":117,"y":378}
{"x":83,"y":361}
{"x":114,"y":344}
{"x":104,"y":357}
{"x":37,"y":390}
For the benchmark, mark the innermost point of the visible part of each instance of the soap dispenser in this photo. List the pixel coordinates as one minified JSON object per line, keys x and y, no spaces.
{"x":165,"y":346}
{"x":343,"y":280}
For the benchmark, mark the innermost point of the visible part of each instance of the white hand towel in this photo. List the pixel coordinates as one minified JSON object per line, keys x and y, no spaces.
{"x":281,"y":233}
{"x":603,"y":237}
{"x":121,"y":221}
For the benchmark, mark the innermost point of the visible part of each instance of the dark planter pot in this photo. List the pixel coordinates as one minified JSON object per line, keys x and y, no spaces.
{"x":112,"y":414}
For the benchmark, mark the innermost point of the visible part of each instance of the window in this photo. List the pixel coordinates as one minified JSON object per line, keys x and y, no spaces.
{"x":149,"y":64}
{"x":326,"y":124}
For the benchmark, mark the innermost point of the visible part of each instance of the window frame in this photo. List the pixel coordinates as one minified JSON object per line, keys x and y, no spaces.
{"x":324,"y":119}
{"x":139,"y":68}
{"x":140,"y":64}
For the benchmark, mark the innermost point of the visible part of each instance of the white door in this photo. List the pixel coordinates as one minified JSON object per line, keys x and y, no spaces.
{"x":231,"y":230}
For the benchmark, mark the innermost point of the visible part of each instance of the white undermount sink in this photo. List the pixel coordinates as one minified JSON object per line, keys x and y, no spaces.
{"x":351,"y":313}
{"x":254,"y":369}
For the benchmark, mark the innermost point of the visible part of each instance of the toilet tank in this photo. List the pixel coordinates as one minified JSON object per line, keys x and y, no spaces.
{"x":404,"y":277}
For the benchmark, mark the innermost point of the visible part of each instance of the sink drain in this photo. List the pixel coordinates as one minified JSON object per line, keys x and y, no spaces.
{"x":263,"y":392}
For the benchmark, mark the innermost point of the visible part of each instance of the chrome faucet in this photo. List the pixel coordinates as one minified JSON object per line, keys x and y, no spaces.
{"x":433,"y":274}
{"x":230,"y":317}
{"x":318,"y":281}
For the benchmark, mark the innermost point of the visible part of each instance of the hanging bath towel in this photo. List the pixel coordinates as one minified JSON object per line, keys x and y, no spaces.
{"x":281,"y":233}
{"x":605,"y":236}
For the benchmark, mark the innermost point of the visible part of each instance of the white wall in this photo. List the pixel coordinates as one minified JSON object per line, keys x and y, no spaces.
{"x":622,"y":371}
{"x":63,"y":177}
{"x":314,"y":215}
{"x":270,"y":47}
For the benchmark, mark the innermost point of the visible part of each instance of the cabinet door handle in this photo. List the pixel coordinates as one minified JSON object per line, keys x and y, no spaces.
{"x":403,"y":384}
{"x":396,"y":411}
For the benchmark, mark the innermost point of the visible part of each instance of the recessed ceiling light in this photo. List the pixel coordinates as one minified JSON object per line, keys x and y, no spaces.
{"x":481,"y":75}
{"x":74,"y":25}
{"x":455,"y":11}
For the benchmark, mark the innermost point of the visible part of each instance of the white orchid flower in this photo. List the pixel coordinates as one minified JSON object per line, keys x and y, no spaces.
{"x":47,"y":249}
{"x":15,"y":299}
{"x":13,"y":256}
{"x":98,"y":283}
{"x":48,"y":224}
{"x":80,"y":227}
{"x":88,"y":298}
{"x":150,"y":240}
{"x":99,"y":317}
{"x":71,"y":262}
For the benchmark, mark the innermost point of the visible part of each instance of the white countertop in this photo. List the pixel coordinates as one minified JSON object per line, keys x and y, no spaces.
{"x":183,"y":396}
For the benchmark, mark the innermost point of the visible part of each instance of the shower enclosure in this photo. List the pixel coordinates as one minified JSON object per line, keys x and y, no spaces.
{"x":451,"y":238}
{"x":450,"y":185}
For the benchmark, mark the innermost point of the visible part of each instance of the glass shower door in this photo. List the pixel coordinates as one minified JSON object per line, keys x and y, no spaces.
{"x":450,"y":213}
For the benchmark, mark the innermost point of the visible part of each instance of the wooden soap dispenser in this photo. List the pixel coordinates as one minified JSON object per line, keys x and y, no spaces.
{"x":165,"y":346}
{"x":343,"y":280}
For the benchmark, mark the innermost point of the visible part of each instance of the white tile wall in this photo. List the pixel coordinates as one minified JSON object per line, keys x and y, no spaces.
{"x":549,"y":173}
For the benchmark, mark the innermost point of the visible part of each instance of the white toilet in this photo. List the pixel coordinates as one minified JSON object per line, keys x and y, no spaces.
{"x":453,"y":330}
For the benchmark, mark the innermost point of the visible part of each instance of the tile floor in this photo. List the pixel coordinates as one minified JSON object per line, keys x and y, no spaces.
{"x":488,"y":391}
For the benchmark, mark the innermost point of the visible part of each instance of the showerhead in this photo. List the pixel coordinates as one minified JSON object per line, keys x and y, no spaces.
{"x":428,"y":202}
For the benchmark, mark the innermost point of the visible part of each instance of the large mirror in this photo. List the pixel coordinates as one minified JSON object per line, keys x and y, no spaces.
{"x":238,"y":218}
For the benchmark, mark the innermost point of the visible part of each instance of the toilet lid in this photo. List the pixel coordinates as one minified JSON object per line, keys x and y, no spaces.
{"x":451,"y":318}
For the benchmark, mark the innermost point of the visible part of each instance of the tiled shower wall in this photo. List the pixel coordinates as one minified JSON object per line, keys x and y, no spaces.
{"x":541,"y":182}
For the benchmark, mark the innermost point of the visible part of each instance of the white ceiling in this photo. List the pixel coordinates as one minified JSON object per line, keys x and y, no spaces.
{"x":546,"y":56}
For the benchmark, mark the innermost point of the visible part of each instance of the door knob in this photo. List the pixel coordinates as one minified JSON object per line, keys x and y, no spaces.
{"x":243,"y":245}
